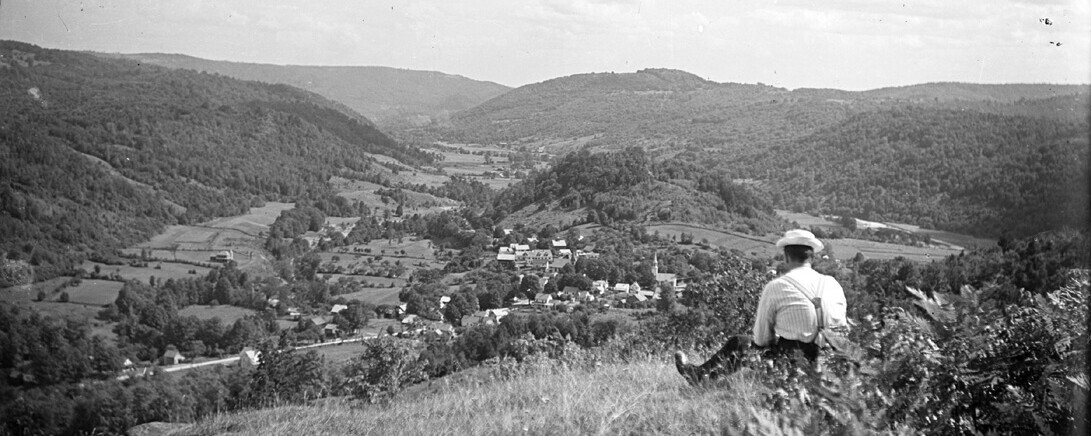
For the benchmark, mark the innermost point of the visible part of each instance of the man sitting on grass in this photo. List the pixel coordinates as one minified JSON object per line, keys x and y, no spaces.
{"x":793,"y":312}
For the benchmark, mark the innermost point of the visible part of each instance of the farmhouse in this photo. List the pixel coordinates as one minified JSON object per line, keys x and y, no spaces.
{"x":543,"y":299}
{"x":172,"y":357}
{"x":559,"y":243}
{"x":223,"y":256}
{"x":337,"y":308}
{"x":249,"y":358}
{"x":600,"y":286}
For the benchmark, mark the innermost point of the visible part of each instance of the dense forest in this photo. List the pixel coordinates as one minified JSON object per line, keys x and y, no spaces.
{"x":971,"y":172}
{"x":100,"y":153}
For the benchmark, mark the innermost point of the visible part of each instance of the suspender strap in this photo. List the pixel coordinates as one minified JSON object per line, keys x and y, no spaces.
{"x":816,"y":301}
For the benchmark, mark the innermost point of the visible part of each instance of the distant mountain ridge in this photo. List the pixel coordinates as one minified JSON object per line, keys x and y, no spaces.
{"x":385,"y":95}
{"x":989,"y":160}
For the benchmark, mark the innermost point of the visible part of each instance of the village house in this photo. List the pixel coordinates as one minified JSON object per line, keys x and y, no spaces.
{"x":587,"y":254}
{"x":249,"y":358}
{"x":543,"y":299}
{"x":331,"y":330}
{"x":337,"y":308}
{"x":559,"y":243}
{"x":621,"y":288}
{"x":584,"y":297}
{"x":600,"y":286}
{"x":569,"y":290}
{"x":223,"y":256}
{"x":172,"y":357}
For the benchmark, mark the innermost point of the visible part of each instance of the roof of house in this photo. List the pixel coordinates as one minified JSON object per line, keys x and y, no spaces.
{"x":570,"y":290}
{"x":409,"y":319}
{"x":621,"y":287}
{"x":172,"y":353}
{"x":559,"y":243}
{"x":338,"y":308}
{"x":331,"y":326}
{"x":250,"y":354}
{"x":543,"y":298}
{"x":505,"y":256}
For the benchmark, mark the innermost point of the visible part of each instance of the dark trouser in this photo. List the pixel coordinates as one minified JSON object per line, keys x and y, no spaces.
{"x":730,"y":357}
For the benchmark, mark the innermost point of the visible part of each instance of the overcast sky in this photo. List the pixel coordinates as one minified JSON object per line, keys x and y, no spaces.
{"x":845,"y":44}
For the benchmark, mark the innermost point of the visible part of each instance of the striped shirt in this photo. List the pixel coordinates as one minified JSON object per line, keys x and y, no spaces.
{"x":787,"y":312}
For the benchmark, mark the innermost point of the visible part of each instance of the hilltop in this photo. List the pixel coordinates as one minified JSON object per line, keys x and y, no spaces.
{"x":389,"y":96}
{"x":101,"y":153}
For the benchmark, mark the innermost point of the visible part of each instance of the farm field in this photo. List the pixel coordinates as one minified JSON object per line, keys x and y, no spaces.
{"x":94,"y":292}
{"x":843,"y":249}
{"x":417,"y":202}
{"x":160,"y":270}
{"x":375,"y":296}
{"x":806,"y":220}
{"x":227,"y":314}
{"x":240,"y":234}
{"x":750,"y":245}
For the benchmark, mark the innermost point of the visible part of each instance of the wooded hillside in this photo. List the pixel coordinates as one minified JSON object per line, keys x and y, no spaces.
{"x":99,"y":153}
{"x":386,"y":95}
{"x":990,"y":160}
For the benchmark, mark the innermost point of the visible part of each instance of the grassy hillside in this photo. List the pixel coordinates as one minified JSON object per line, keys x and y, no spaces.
{"x":385,"y":95}
{"x":98,"y":154}
{"x":645,"y":397}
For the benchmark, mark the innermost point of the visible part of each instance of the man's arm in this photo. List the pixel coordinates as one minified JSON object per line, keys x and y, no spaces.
{"x":763,"y":318}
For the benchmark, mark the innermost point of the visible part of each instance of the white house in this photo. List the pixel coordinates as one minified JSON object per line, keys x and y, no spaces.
{"x":249,"y":357}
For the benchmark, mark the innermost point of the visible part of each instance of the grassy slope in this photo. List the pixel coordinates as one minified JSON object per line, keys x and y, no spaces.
{"x":645,"y":397}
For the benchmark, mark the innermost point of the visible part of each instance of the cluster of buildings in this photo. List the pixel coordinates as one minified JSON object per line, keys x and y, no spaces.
{"x":551,"y":259}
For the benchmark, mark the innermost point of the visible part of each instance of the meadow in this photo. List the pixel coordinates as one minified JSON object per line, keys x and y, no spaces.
{"x":227,"y":314}
{"x":544,"y":397}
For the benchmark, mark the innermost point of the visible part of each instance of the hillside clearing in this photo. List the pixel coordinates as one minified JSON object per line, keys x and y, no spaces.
{"x":227,"y":314}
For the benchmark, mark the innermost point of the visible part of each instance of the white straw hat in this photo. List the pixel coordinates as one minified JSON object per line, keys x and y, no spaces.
{"x":800,"y":237}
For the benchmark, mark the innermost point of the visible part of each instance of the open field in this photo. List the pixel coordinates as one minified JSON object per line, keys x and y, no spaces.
{"x":375,"y":296}
{"x":806,"y":220}
{"x":160,"y":270}
{"x":843,"y":249}
{"x":227,"y":314}
{"x":94,"y":292}
{"x":241,"y":234}
{"x":750,"y":245}
{"x":417,"y":202}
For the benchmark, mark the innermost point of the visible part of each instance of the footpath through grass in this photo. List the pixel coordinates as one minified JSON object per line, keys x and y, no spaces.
{"x":545,"y":397}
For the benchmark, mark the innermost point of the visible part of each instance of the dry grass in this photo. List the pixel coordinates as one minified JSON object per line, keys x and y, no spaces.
{"x":646,"y":397}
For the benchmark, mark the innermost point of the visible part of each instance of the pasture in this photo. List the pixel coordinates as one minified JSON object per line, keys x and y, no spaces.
{"x":417,"y":202}
{"x":227,"y":314}
{"x":750,"y":245}
{"x":806,"y":220}
{"x":159,"y":270}
{"x":94,"y":292}
{"x":375,"y":296}
{"x":845,"y":249}
{"x":242,"y":234}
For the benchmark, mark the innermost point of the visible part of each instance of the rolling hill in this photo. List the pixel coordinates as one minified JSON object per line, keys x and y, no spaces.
{"x":96,"y":153}
{"x":389,"y":96}
{"x":991,"y":160}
